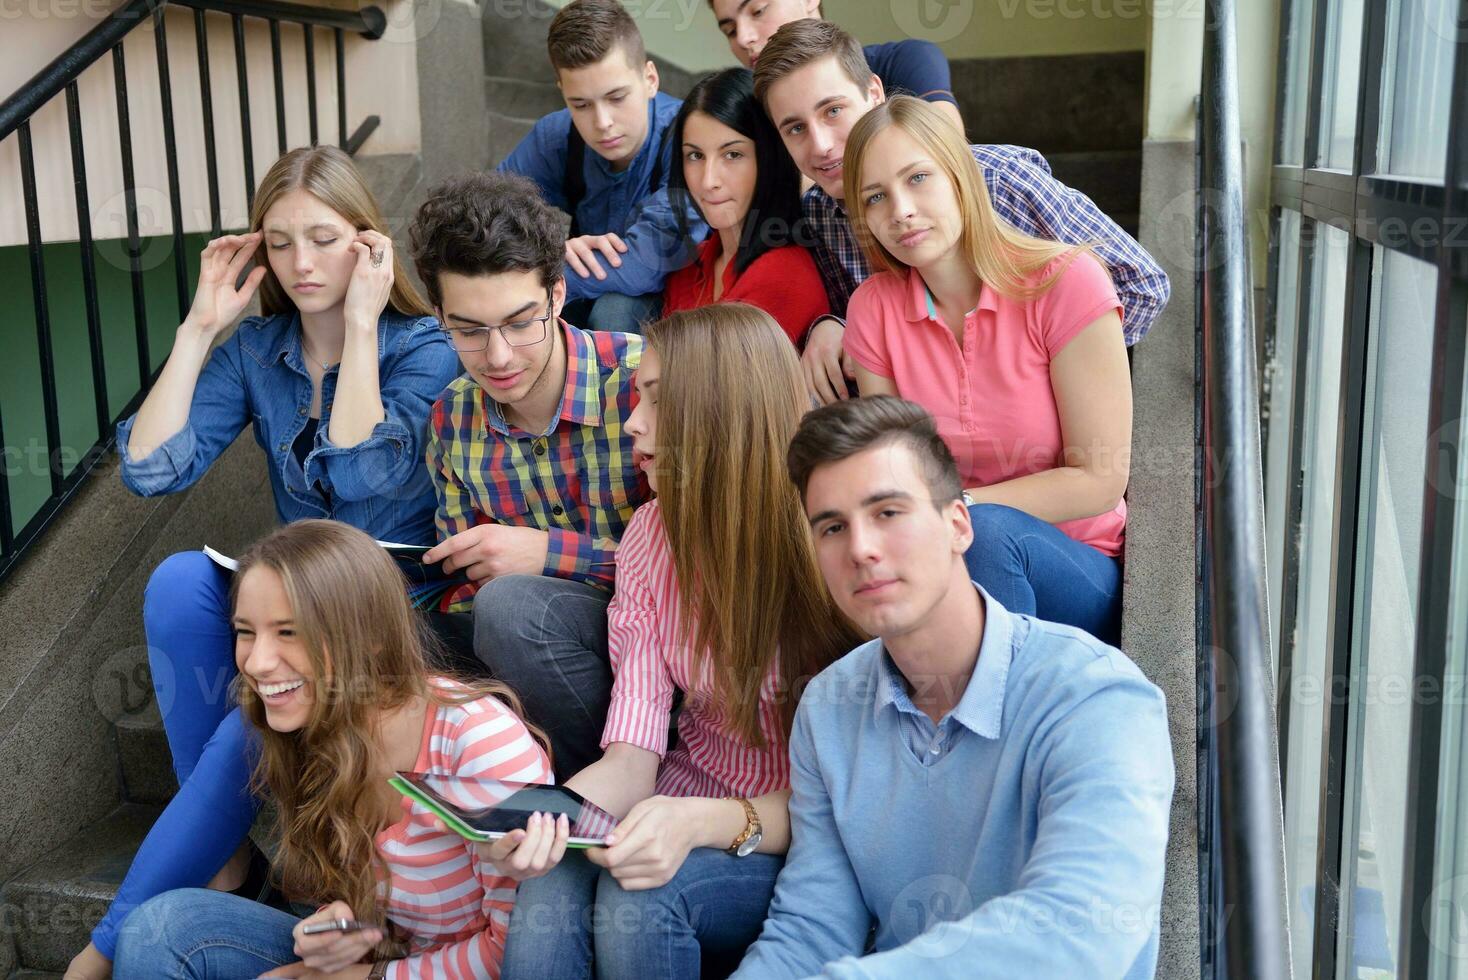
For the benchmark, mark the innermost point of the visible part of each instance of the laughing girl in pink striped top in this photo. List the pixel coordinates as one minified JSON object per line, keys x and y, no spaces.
{"x":335,"y":684}
{"x":719,"y":597}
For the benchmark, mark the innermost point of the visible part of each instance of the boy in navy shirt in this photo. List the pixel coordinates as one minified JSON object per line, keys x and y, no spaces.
{"x":602,"y":160}
{"x":913,"y":67}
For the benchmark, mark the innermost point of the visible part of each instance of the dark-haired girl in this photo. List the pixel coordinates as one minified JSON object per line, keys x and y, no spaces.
{"x":736,"y":172}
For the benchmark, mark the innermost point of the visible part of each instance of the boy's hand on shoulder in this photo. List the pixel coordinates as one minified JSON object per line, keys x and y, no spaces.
{"x":581,"y":254}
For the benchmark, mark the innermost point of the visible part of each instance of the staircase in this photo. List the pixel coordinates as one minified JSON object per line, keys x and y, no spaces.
{"x":75,"y":708}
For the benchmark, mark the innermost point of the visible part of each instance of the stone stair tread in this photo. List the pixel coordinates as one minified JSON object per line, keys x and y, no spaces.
{"x":56,"y":901}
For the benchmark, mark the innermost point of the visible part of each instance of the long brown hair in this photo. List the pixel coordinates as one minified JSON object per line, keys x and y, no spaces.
{"x":368,"y":655}
{"x":1003,"y":256}
{"x":330,"y":176}
{"x":729,"y":399}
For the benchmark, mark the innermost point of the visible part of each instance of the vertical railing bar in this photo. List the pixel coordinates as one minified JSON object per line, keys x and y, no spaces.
{"x":7,"y":533}
{"x":170,"y":153}
{"x":243,"y":79}
{"x":206,"y":97}
{"x":42,"y":307}
{"x":308,"y":33}
{"x":89,"y":260}
{"x":341,"y":89}
{"x":279,"y":85}
{"x":130,"y":205}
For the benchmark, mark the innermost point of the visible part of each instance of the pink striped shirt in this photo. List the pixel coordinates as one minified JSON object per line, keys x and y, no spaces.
{"x":649,"y":662}
{"x":455,"y":906}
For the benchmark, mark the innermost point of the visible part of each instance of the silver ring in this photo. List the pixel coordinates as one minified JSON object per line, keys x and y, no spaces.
{"x":376,"y":259}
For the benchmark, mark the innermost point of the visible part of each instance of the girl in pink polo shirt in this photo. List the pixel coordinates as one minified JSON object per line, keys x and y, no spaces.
{"x":1015,"y":345}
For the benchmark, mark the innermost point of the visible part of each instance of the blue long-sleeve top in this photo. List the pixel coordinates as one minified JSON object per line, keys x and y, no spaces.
{"x":1023,"y":836}
{"x":258,"y":377}
{"x":625,"y":204}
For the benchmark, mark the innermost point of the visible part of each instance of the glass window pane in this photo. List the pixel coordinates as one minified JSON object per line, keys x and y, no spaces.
{"x":1297,"y":82}
{"x":1308,"y":688}
{"x":1340,"y":87}
{"x":1448,"y":902}
{"x":1388,"y":546}
{"x":1281,"y":399}
{"x":1417,"y":84}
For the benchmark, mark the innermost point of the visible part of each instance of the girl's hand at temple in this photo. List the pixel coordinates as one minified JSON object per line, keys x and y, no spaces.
{"x":217,"y":303}
{"x":371,"y":282}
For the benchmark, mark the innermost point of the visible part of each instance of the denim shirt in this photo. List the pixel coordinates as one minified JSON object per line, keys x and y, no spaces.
{"x":623,"y":203}
{"x":258,"y":377}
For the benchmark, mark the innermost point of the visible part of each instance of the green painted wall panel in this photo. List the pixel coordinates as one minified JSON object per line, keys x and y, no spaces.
{"x":21,"y":405}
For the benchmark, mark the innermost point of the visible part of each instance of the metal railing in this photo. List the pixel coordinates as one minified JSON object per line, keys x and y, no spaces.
{"x":1245,"y":931}
{"x":59,"y":77}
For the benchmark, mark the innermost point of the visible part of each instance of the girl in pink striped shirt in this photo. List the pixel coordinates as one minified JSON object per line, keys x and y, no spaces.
{"x":719,"y":597}
{"x":335,"y":683}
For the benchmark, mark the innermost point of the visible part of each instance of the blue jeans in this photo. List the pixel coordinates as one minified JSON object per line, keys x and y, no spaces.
{"x":191,"y":652}
{"x":1032,"y":567}
{"x":546,"y":638}
{"x":197,"y":934}
{"x":704,"y":919}
{"x":614,"y":311}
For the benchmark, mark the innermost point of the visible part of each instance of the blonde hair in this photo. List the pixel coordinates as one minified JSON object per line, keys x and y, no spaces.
{"x":1003,"y":257}
{"x":369,"y":655}
{"x":330,"y":176}
{"x":730,"y":398}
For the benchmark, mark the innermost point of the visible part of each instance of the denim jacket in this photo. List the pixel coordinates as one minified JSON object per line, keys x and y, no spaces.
{"x":258,"y":377}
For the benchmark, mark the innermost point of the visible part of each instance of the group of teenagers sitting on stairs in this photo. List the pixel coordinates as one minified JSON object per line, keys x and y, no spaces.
{"x":800,"y":555}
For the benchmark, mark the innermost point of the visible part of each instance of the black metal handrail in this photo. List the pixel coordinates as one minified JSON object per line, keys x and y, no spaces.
{"x":60,"y":77}
{"x":1245,"y":931}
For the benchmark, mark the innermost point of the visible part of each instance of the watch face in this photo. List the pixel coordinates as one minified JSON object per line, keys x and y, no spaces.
{"x":752,"y":842}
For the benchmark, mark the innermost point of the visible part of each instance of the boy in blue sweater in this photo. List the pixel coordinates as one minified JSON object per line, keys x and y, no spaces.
{"x":984,"y":794}
{"x":602,"y":160}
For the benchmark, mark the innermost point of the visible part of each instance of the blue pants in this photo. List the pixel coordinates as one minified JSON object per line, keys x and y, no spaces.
{"x":197,"y":934}
{"x":1032,"y":567}
{"x":191,"y":653}
{"x":614,"y":311}
{"x":705,"y":918}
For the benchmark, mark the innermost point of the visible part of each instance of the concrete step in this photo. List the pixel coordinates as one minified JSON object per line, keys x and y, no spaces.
{"x":1066,"y":103}
{"x":514,"y":41}
{"x":522,"y":99}
{"x":392,"y":177}
{"x":147,"y":765}
{"x":53,"y":905}
{"x":1111,"y":178}
{"x":505,"y":132}
{"x":35,"y":975}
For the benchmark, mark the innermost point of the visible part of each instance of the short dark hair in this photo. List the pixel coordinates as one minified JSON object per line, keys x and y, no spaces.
{"x":482,"y":224}
{"x":801,"y":42}
{"x":840,"y":430}
{"x":582,"y":33}
{"x":775,"y":218}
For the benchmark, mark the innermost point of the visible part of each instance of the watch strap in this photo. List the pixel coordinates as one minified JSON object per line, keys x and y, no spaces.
{"x":751,"y":825}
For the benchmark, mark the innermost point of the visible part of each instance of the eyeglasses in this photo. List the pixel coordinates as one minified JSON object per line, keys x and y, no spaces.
{"x":521,"y":333}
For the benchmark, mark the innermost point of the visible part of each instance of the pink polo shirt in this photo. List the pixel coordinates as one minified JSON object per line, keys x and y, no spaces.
{"x":992,"y":399}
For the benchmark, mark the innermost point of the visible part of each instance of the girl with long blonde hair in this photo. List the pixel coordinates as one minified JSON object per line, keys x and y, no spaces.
{"x":718,"y":597}
{"x":335,"y":683}
{"x":336,"y":378}
{"x":1014,"y":344}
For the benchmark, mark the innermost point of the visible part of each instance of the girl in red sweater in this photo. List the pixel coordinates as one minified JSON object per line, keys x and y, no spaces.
{"x":735,"y":170}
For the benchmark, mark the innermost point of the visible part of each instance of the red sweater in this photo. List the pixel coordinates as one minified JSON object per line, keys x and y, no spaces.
{"x":784,"y":282}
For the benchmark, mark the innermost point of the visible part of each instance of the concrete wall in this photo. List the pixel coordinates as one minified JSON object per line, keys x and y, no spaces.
{"x":685,"y":30}
{"x":1174,"y":71}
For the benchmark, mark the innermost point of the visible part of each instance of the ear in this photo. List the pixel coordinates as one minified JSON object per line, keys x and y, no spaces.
{"x":876,"y":95}
{"x":650,"y":77}
{"x":558,"y":296}
{"x":813,"y":8}
{"x":963,"y":526}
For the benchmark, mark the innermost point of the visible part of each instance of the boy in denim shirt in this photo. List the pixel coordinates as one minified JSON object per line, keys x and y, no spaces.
{"x":602,"y":160}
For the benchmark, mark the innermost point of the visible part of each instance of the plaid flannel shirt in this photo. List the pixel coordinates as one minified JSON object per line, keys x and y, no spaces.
{"x":1026,"y":196}
{"x":577,"y":480}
